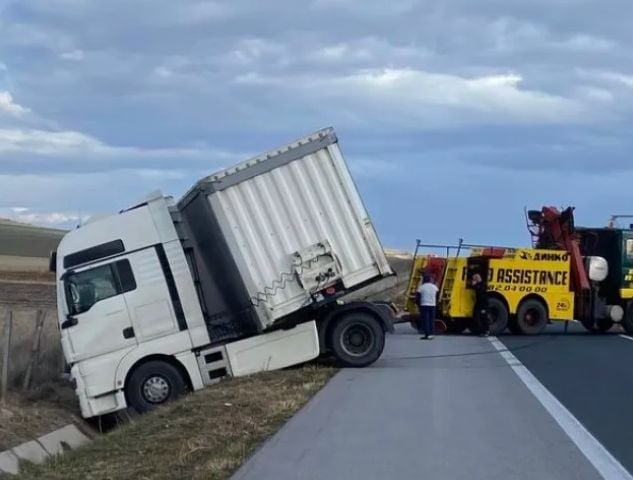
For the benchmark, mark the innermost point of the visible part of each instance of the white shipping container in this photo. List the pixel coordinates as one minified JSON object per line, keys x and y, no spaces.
{"x":295,"y":224}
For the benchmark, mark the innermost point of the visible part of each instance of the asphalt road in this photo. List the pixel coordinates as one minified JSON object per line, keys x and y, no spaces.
{"x":591,"y":375}
{"x":454,"y":408}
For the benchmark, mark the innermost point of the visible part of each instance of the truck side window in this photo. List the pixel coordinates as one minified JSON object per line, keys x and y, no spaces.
{"x":126,"y":277}
{"x":86,"y":288}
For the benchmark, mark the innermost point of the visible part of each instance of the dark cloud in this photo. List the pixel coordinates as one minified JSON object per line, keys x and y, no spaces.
{"x":466,"y":95}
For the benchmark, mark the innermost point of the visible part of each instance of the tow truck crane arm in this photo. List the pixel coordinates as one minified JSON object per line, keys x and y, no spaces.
{"x":553,"y":229}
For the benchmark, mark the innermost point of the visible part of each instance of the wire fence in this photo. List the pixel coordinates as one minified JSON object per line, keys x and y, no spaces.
{"x":30,"y":350}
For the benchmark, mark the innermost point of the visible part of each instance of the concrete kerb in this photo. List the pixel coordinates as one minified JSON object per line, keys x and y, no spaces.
{"x":69,"y":437}
{"x":9,"y":463}
{"x":31,"y":451}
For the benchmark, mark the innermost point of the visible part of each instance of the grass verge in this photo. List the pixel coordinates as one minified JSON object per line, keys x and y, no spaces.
{"x":26,"y":416}
{"x":207,"y":435}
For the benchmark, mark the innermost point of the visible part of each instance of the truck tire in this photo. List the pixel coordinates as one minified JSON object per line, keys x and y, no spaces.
{"x":604,"y":325}
{"x":532,"y":317}
{"x":357,"y":339}
{"x":627,"y":321}
{"x":154,"y":383}
{"x":513,"y":326}
{"x":497,"y":316}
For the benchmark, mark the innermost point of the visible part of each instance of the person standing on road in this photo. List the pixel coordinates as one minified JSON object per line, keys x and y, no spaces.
{"x":427,"y":298}
{"x":480,"y":313}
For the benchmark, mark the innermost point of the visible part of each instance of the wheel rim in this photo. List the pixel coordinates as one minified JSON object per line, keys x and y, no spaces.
{"x":357,"y":339}
{"x":156,"y":389}
{"x":532,"y":317}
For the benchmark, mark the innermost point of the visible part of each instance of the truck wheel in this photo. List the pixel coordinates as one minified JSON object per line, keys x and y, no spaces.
{"x":357,"y":339}
{"x":513,"y":326}
{"x":531,"y":317}
{"x":497,"y":316}
{"x":604,"y":325}
{"x":627,"y":321}
{"x":154,"y":383}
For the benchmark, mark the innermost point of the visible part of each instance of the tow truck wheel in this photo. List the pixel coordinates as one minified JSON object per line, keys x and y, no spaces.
{"x":531,"y":317}
{"x":513,"y":326}
{"x":604,"y":325}
{"x":357,"y":339}
{"x":154,"y":383}
{"x":497,"y":316}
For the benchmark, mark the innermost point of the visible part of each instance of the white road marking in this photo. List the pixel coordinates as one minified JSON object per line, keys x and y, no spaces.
{"x":627,"y":337}
{"x":605,"y":463}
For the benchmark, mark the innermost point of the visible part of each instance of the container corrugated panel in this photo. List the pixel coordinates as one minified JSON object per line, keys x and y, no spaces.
{"x":287,"y":201}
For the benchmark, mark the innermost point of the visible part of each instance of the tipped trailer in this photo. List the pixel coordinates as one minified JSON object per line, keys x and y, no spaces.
{"x":247,"y":272}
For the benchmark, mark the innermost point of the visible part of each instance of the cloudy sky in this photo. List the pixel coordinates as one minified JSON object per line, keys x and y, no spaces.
{"x":453,"y":115}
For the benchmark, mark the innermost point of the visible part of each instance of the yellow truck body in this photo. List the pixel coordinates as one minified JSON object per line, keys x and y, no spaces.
{"x":513,"y":276}
{"x":519,"y":274}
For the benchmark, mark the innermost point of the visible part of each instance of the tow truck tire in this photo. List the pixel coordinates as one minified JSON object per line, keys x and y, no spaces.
{"x":513,"y":326}
{"x":154,"y":383}
{"x":532,"y":317}
{"x":604,"y":325}
{"x":497,"y":316}
{"x":627,"y":321}
{"x":357,"y":339}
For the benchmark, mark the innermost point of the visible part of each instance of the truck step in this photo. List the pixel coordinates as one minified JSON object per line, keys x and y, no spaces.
{"x":213,"y":364}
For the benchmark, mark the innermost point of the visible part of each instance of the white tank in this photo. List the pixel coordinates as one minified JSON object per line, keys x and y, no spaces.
{"x":597,"y":268}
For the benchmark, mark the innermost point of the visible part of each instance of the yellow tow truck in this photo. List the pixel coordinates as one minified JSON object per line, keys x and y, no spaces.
{"x":527,"y":288}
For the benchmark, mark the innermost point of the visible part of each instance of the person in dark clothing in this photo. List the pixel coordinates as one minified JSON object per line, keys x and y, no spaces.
{"x":480,"y":313}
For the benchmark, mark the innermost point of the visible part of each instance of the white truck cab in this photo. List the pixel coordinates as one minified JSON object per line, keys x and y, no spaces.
{"x":151,"y":305}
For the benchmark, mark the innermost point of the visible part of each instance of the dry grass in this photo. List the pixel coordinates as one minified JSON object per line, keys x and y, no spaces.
{"x":207,"y":435}
{"x":25,"y":417}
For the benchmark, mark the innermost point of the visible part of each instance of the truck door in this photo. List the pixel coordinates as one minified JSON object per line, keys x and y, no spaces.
{"x":155,"y":309}
{"x":97,"y":320}
{"x":480,"y":265}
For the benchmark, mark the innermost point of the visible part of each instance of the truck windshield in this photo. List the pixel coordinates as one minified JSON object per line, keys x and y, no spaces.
{"x":86,"y":288}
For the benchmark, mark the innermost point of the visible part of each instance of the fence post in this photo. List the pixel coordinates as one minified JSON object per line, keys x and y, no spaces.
{"x":35,"y":349}
{"x":4,"y":378}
